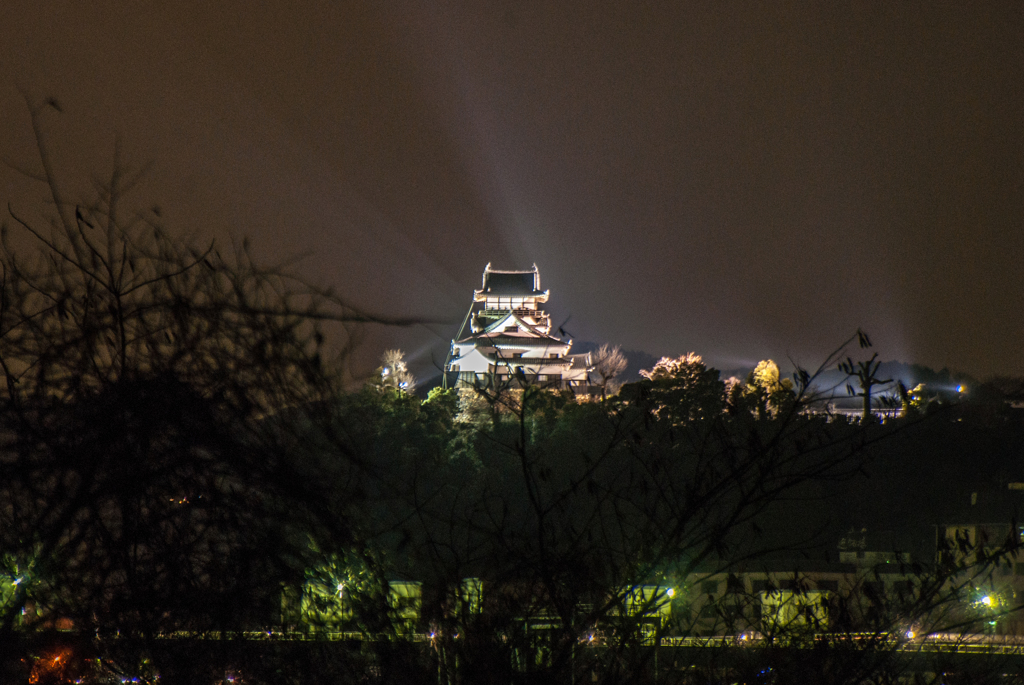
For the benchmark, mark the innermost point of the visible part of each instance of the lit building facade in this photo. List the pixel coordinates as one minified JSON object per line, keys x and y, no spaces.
{"x":510,"y":338}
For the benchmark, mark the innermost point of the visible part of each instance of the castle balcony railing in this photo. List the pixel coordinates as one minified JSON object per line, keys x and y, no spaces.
{"x":521,"y":311}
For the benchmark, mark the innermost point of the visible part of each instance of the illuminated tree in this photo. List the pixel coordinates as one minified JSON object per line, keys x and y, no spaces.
{"x":686,"y":369}
{"x":766,"y":375}
{"x":768,"y":392}
{"x":682,"y":388}
{"x":913,"y":402}
{"x":394,"y":372}
{"x":609,"y":363}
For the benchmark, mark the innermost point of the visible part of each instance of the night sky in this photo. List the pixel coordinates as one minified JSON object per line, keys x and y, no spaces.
{"x":745,"y":180}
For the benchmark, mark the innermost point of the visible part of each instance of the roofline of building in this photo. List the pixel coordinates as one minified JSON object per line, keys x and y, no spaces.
{"x":538,"y":294}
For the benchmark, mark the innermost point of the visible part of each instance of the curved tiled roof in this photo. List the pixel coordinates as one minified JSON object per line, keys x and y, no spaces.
{"x":518,"y":339}
{"x":510,"y":284}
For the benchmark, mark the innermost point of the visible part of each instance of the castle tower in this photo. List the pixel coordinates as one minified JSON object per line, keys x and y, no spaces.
{"x":510,"y":339}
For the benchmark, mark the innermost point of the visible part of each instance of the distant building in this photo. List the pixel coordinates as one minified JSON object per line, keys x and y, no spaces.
{"x":510,"y":339}
{"x":864,"y":549}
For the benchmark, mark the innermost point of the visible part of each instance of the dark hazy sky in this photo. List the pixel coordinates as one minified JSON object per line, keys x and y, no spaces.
{"x":745,"y":179}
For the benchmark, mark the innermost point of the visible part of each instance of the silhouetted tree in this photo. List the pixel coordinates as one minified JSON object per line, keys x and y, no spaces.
{"x":155,"y":471}
{"x":866,"y":373}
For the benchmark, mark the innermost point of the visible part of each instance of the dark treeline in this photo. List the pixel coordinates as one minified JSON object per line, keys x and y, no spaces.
{"x":182,"y":474}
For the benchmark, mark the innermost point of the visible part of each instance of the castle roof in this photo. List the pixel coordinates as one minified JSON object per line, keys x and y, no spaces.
{"x":524,"y":335}
{"x":510,"y":284}
{"x":514,"y":340}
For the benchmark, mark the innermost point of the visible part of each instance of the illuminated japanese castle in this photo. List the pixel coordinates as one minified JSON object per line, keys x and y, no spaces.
{"x":511,"y":338}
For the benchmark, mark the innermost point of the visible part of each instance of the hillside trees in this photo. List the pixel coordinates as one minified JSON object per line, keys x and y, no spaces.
{"x":568,"y":509}
{"x":577,"y":518}
{"x":684,"y":387}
